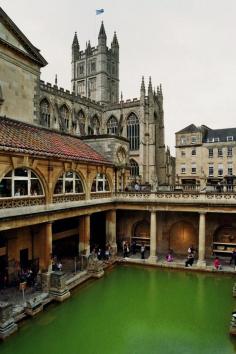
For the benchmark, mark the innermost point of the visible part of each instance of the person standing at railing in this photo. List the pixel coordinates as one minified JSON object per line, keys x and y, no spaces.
{"x":142,"y":251}
{"x":233,"y":258}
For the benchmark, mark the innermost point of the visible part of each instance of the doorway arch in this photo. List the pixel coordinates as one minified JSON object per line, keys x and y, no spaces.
{"x":182,"y":236}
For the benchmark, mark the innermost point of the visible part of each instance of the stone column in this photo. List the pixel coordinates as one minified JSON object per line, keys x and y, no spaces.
{"x":43,"y":245}
{"x":202,"y":240}
{"x":111,"y":229}
{"x":153,"y":237}
{"x":84,"y":234}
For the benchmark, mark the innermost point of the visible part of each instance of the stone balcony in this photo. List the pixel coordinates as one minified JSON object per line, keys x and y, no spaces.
{"x":162,"y":201}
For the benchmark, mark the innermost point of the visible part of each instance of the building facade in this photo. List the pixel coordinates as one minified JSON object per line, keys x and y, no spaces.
{"x":206,"y":157}
{"x":92,"y":107}
{"x":58,"y":196}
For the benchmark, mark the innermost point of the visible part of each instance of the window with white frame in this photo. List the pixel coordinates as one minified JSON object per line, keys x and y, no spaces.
{"x":216,"y":140}
{"x":20,"y":182}
{"x":210,"y":152}
{"x":69,"y":182}
{"x":229,"y":151}
{"x":112,"y":125}
{"x":100,"y":183}
{"x":133,"y":131}
{"x":230,"y":169}
{"x":220,"y":169}
{"x":182,"y":140}
{"x":194,"y":168}
{"x":211,"y":170}
{"x":230,"y":138}
{"x":220,"y":152}
{"x":183,"y":168}
{"x":193,"y":139}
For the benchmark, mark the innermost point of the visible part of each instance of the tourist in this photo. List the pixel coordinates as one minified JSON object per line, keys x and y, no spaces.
{"x":99,"y":254}
{"x":190,"y":260}
{"x":169,"y":257}
{"x":107,"y":253}
{"x":59,"y":266}
{"x":133,"y":247}
{"x":217,"y":264}
{"x":233,"y":258}
{"x":191,"y":250}
{"x":142,"y":251}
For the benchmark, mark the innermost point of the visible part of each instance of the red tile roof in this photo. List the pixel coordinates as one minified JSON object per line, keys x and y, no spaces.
{"x":24,"y":138}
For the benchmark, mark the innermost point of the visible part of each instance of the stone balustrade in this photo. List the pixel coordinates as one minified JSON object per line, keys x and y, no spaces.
{"x":22,"y":201}
{"x":12,"y":207}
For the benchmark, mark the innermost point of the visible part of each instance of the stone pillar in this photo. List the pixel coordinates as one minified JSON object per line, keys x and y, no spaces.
{"x":58,"y":288}
{"x":84,"y":234}
{"x":7,"y":324}
{"x":43,"y":245}
{"x":111,"y":229}
{"x":153,"y":237}
{"x":202,"y":240}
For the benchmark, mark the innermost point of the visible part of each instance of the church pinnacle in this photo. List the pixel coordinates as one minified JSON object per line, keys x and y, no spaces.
{"x":114,"y":42}
{"x":102,"y":33}
{"x":75,"y":40}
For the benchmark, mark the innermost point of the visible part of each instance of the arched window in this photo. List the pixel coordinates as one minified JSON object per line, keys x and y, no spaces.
{"x":100,"y":183}
{"x":69,"y":182}
{"x":81,"y":118}
{"x":133,"y":131}
{"x":20,"y":182}
{"x":112,"y":125}
{"x":45,"y":113}
{"x":134,"y":168}
{"x":64,"y":112}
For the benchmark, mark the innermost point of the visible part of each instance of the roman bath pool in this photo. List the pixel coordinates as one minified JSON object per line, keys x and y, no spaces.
{"x":134,"y":310}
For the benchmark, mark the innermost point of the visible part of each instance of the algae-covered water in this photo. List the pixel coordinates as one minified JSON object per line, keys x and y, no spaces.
{"x":135,"y":310}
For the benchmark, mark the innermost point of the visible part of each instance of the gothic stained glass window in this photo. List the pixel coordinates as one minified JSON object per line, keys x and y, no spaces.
{"x":134,"y":168}
{"x":65,"y":115}
{"x":45,"y":113}
{"x":133,"y":131}
{"x":112,"y":125}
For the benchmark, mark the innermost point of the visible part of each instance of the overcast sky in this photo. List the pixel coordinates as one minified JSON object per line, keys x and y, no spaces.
{"x":187,"y":45}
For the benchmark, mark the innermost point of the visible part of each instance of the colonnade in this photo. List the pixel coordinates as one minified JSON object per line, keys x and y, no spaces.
{"x":45,"y":238}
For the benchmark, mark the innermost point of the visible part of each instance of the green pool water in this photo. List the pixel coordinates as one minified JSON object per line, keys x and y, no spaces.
{"x":134,"y":310}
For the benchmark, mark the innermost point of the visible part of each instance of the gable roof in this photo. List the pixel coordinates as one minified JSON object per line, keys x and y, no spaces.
{"x":30,"y":50}
{"x":19,"y":137}
{"x":189,"y":129}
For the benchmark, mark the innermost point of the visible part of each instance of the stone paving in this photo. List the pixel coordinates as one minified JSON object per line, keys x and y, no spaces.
{"x":15,"y":296}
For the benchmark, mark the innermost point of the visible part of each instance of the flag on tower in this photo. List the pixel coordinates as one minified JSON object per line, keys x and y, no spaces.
{"x":99,"y":11}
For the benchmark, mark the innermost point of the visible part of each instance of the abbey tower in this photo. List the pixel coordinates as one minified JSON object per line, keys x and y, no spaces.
{"x":95,"y":71}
